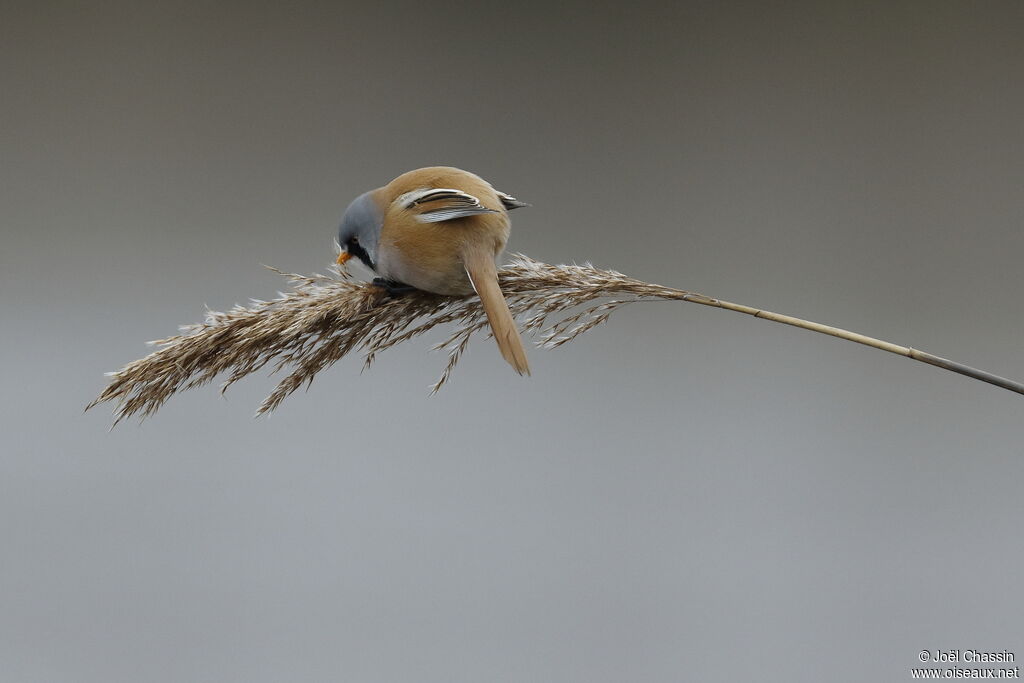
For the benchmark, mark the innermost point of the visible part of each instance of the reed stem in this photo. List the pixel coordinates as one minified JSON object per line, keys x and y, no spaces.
{"x":907,"y":351}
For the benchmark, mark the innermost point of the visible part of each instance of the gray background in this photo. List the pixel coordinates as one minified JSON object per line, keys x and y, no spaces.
{"x":682,"y":494}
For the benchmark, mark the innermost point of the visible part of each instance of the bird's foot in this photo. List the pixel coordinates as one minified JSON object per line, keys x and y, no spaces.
{"x":393,"y":289}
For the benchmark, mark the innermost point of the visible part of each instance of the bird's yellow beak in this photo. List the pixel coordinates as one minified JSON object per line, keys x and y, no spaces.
{"x":343,"y":257}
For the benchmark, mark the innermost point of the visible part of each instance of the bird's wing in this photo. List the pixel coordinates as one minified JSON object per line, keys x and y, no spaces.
{"x":510,"y":202}
{"x":483,"y":274}
{"x":433,"y":205}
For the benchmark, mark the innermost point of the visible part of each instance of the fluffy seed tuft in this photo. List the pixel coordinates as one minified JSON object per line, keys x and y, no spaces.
{"x":326,"y":317}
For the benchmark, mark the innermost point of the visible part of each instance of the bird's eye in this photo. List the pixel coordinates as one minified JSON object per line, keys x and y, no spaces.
{"x":354,"y":240}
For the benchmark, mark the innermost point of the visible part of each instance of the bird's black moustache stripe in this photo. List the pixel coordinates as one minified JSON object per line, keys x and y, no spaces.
{"x":357,"y":250}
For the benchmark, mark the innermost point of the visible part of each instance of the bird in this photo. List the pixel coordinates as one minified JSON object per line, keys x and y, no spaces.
{"x":438,"y":229}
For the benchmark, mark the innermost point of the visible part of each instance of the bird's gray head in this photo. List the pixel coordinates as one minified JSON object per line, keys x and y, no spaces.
{"x":359,"y":232}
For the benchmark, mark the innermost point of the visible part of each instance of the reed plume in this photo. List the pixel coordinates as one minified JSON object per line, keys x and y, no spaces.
{"x":326,"y":317}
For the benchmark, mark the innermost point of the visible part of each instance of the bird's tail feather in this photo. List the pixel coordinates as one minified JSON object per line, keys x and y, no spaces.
{"x":484,"y":276}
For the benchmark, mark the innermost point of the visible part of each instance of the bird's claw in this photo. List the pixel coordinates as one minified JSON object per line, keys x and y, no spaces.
{"x":392,"y":288}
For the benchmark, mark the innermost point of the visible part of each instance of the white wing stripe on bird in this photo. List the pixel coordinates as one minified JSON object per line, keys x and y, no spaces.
{"x":431,"y":194}
{"x":456,"y":204}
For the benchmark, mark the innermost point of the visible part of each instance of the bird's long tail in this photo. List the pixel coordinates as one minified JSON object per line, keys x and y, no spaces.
{"x":484,"y":276}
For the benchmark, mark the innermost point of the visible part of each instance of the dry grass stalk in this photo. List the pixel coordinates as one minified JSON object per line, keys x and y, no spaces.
{"x":325,"y":317}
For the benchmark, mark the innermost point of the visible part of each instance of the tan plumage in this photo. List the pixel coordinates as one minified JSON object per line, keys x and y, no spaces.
{"x":441,"y":230}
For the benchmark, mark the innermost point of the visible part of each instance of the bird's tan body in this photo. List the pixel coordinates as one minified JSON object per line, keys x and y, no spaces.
{"x":455,"y":256}
{"x":431,"y":256}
